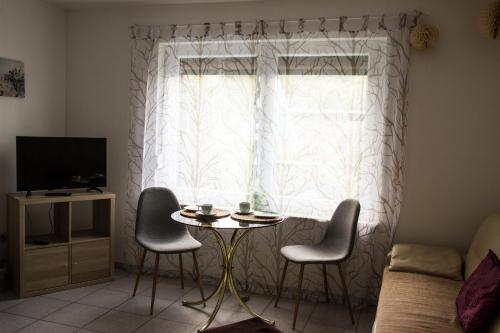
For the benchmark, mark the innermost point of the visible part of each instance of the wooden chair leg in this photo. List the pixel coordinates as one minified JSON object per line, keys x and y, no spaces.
{"x":325,"y":280}
{"x":182,"y":270}
{"x":197,"y":272}
{"x":280,"y":287}
{"x":155,"y":276}
{"x":139,"y":273}
{"x":346,"y":294}
{"x":298,"y":295}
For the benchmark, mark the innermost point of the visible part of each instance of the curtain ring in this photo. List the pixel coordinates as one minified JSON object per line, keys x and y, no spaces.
{"x":322,"y":21}
{"x":364,"y":25}
{"x":173,"y":30}
{"x":381,"y":24}
{"x":282,"y":26}
{"x":402,"y":20}
{"x":301,"y":25}
{"x":263,"y":27}
{"x":222,"y":28}
{"x":237,"y":28}
{"x":133,"y":31}
{"x":417,"y":17}
{"x":342,"y":20}
{"x":255,"y":31}
{"x":207,"y":29}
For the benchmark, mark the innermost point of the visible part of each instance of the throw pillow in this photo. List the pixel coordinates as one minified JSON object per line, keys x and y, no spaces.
{"x":478,"y":300}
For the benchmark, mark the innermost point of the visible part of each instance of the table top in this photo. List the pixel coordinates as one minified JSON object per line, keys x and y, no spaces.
{"x":223,"y":223}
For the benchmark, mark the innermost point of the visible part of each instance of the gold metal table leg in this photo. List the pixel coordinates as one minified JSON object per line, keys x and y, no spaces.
{"x":223,"y":279}
{"x":232,"y":285}
{"x":228,"y":253}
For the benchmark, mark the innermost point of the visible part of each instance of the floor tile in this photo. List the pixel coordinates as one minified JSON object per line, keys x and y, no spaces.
{"x":141,"y":305}
{"x":257,"y":303}
{"x":366,"y":319}
{"x":36,"y":307}
{"x":10,"y":323}
{"x":186,"y":315}
{"x":105,"y":298}
{"x":169,"y":291}
{"x":229,"y":317}
{"x":76,"y":314}
{"x":195,"y":295}
{"x":8,"y":299}
{"x":119,"y":322}
{"x":283,"y":314}
{"x":126,"y":284}
{"x":72,"y":295}
{"x":120,"y":272}
{"x":317,"y":328}
{"x":46,"y":327}
{"x":161,"y":326}
{"x":333,"y":315}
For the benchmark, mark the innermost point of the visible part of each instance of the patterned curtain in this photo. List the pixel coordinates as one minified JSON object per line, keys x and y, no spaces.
{"x":292,"y":116}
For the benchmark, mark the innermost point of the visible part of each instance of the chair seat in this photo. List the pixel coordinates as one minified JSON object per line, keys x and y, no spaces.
{"x":185,"y":243}
{"x":319,"y":253}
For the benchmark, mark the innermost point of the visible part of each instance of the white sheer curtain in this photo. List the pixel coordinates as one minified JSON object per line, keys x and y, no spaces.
{"x":294,"y":122}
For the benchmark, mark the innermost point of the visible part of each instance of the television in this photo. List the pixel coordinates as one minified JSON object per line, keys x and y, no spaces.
{"x":50,"y":163}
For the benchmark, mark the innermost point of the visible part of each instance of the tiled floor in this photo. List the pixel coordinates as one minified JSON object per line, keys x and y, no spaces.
{"x":110,"y":308}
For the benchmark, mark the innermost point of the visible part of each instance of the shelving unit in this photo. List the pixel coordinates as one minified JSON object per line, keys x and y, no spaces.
{"x":72,"y":258}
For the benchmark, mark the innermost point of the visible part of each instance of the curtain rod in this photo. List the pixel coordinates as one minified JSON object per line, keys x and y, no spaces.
{"x":416,"y":14}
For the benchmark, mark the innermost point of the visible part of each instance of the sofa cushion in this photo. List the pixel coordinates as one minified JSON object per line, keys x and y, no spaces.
{"x":478,"y":300}
{"x":433,"y":260}
{"x":487,"y":237}
{"x":411,"y":302}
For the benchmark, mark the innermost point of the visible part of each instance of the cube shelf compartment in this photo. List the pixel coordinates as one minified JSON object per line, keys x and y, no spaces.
{"x":73,"y":256}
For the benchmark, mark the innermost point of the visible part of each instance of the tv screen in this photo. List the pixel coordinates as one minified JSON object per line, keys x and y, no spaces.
{"x":48,"y":163}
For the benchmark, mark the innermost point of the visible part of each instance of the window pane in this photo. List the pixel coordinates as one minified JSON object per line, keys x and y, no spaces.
{"x":323,"y":65}
{"x":319,"y":130}
{"x":216,"y":129}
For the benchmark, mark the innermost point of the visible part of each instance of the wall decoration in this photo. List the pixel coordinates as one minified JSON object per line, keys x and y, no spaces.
{"x":489,"y":20}
{"x":424,"y":36}
{"x":11,"y":78}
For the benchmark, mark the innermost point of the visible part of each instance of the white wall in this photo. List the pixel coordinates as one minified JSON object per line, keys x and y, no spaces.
{"x":33,"y":32}
{"x":453,"y":174}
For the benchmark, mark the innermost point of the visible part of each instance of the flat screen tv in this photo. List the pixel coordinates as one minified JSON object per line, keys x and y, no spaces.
{"x":49,"y":163}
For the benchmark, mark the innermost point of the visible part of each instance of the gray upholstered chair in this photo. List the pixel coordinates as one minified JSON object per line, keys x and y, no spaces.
{"x":155,"y":231}
{"x":335,"y":247}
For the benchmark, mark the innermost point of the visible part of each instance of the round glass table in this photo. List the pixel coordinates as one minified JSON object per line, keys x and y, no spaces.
{"x":228,"y":251}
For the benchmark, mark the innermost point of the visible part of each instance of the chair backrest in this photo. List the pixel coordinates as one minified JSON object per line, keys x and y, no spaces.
{"x":153,"y":221}
{"x":342,"y":228}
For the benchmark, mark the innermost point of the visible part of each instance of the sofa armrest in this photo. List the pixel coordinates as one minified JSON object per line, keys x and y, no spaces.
{"x":431,"y":260}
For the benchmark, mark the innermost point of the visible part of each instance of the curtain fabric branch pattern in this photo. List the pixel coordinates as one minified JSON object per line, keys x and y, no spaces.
{"x":292,"y":121}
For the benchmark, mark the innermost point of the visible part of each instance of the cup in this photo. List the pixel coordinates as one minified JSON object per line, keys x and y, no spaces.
{"x":206,"y":209}
{"x":244,"y":207}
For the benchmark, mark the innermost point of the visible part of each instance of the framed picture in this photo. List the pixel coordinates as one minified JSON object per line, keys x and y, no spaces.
{"x":11,"y":78}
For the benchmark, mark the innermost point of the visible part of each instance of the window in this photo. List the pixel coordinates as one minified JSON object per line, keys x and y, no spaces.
{"x":284,"y":132}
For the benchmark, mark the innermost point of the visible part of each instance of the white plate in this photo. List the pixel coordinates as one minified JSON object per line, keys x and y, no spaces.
{"x":241,"y":213}
{"x":206,"y":215}
{"x":265,"y":215}
{"x":191,"y":208}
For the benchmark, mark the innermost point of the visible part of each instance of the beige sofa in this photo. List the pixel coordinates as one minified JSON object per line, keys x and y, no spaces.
{"x":414,"y":302}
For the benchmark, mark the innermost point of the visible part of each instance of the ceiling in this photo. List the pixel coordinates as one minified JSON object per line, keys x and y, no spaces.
{"x":117,"y":3}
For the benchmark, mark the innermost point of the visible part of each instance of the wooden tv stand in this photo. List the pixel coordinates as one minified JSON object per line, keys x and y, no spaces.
{"x":69,"y":258}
